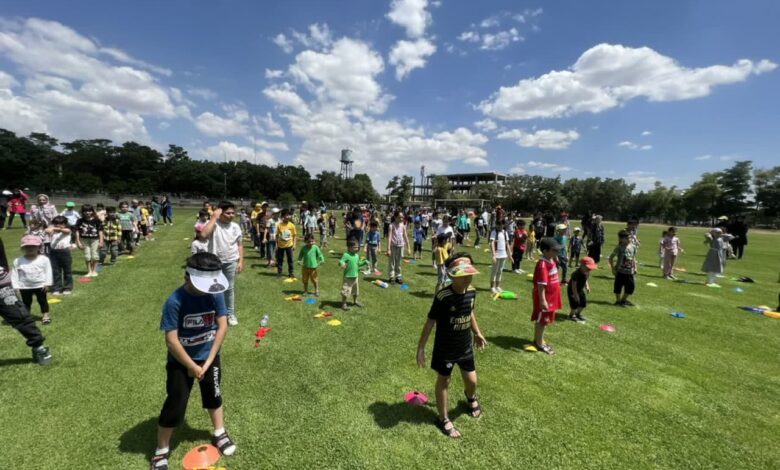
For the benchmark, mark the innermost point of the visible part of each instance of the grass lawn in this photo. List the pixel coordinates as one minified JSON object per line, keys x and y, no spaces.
{"x":659,"y":392}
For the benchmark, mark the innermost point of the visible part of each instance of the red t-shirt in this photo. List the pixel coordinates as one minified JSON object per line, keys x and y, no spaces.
{"x":520,"y":238}
{"x":546,"y":274}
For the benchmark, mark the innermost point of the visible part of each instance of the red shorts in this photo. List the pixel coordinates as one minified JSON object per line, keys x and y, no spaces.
{"x":545,"y":318}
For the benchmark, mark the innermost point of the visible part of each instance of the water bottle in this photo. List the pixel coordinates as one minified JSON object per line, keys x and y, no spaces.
{"x":264,"y":321}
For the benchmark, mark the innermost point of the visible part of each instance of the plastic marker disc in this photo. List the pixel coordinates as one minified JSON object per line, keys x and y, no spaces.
{"x":678,"y":315}
{"x":85,"y":280}
{"x":186,"y":238}
{"x":404,"y":286}
{"x":607,"y":327}
{"x":334,"y":322}
{"x":415,"y":398}
{"x":203,"y":456}
{"x":530,"y":348}
{"x":290,"y":280}
{"x":651,"y":284}
{"x":54,"y":301}
{"x":130,"y":257}
{"x":323,"y":315}
{"x":311,"y":301}
{"x":739,"y":289}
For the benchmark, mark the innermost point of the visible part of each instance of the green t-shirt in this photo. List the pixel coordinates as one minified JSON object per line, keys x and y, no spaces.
{"x":623,"y":258}
{"x":312,"y":256}
{"x":353,"y":264}
{"x":126,"y":219}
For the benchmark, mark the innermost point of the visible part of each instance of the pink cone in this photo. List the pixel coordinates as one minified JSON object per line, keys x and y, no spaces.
{"x":607,"y":327}
{"x":416,"y":398}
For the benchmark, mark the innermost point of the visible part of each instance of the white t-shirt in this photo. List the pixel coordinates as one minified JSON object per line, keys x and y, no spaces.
{"x":424,"y":220}
{"x":224,"y":241}
{"x":486,"y":218}
{"x":31,"y":274}
{"x":500,"y":239}
{"x":60,"y":241}
{"x":447,"y":230}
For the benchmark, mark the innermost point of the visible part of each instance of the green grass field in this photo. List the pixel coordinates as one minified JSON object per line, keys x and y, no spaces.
{"x":659,"y":392}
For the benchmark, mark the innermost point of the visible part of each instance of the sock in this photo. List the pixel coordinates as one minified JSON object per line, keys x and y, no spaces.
{"x":162,"y":451}
{"x":219,"y":432}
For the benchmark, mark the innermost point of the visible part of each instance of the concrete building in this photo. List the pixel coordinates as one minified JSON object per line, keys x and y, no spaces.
{"x":460,"y":183}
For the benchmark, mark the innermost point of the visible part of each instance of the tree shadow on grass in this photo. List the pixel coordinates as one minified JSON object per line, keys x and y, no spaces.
{"x":510,"y":342}
{"x":141,"y":438}
{"x":389,"y":415}
{"x":330,"y":303}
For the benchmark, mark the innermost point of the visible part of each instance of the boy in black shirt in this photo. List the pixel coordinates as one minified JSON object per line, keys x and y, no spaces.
{"x":452,"y":313}
{"x":578,"y":286}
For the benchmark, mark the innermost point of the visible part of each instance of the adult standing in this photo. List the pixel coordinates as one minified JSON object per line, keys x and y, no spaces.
{"x":17,"y":204}
{"x":596,"y":239}
{"x":224,"y":240}
{"x":156,"y":210}
{"x":166,"y":208}
{"x":739,"y":229}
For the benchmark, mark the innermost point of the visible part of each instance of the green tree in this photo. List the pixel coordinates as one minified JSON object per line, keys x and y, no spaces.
{"x":440,"y":187}
{"x":700,"y":199}
{"x":767,"y":184}
{"x":734,"y":185}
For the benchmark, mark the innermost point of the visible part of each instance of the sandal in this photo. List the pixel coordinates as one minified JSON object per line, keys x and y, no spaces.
{"x":546,"y":348}
{"x":224,"y":444}
{"x":46,"y":320}
{"x":449,"y":432}
{"x":474,"y":411}
{"x":160,"y":462}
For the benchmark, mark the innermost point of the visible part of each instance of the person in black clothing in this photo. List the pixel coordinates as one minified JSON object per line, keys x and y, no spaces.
{"x":452,"y":313}
{"x":578,"y":288}
{"x":739,"y":229}
{"x":596,"y":239}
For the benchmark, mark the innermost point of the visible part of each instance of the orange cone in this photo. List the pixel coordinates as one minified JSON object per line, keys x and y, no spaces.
{"x":203,"y":456}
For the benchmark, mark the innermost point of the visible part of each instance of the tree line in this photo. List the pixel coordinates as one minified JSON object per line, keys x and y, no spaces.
{"x":39,"y":161}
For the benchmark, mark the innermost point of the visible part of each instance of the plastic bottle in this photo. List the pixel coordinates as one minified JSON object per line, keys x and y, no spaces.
{"x":381,"y":284}
{"x":264,"y":322}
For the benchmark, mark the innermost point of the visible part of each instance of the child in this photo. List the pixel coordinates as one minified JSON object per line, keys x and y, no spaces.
{"x":661,"y":249}
{"x":150,"y":218}
{"x":350,"y":263}
{"x":563,"y":258}
{"x":373,"y":240}
{"x":531,"y":244}
{"x":143,"y":222}
{"x":575,"y":247}
{"x":89,"y":237}
{"x":194,"y":319}
{"x":100,"y":212}
{"x":547,"y":292}
{"x":715,"y":261}
{"x":672,"y":248}
{"x":519,"y":245}
{"x":452,"y":313}
{"x":17,"y":316}
{"x":332,"y":224}
{"x":498,"y":248}
{"x":270,"y":235}
{"x":623,"y":264}
{"x":419,"y":237}
{"x":31,"y":274}
{"x":311,"y":257}
{"x":37,"y":227}
{"x":578,"y":287}
{"x":60,"y":256}
{"x":72,"y":215}
{"x":323,"y":229}
{"x":200,"y":244}
{"x":441,"y":253}
{"x":129,"y":223}
{"x":286,"y":236}
{"x":112,"y":236}
{"x":396,"y":242}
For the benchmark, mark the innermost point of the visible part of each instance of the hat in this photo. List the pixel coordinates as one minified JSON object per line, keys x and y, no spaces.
{"x":577,"y":229}
{"x":263,"y":204}
{"x":205,"y":270}
{"x":31,"y":240}
{"x":257,"y":206}
{"x":7,"y":192}
{"x":589,"y":263}
{"x":549,"y":243}
{"x":561,"y":227}
{"x":275,"y":210}
{"x":723,"y":217}
{"x":462,"y":267}
{"x":70,"y":204}
{"x":717,"y":230}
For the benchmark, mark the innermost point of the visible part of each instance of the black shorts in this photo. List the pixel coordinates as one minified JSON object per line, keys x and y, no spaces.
{"x":444,"y":367}
{"x":624,"y":281}
{"x":581,"y":304}
{"x":179,"y":384}
{"x":418,"y":247}
{"x":144,"y":229}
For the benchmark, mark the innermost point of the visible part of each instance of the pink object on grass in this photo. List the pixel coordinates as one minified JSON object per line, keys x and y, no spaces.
{"x":607,"y":327}
{"x":416,"y":398}
{"x":85,"y":280}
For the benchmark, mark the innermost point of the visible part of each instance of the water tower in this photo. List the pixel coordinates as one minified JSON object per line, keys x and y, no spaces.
{"x":346,"y":164}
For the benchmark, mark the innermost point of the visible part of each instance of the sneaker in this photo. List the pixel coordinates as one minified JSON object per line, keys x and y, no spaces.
{"x":572,"y":317}
{"x":581,"y":319}
{"x":620,"y":304}
{"x":67,"y":292}
{"x":232,"y":320}
{"x":357,"y":304}
{"x":41,"y":355}
{"x":345,"y":307}
{"x":545,"y":348}
{"x":627,"y":303}
{"x":160,"y":461}
{"x":494,"y":290}
{"x":223,"y":442}
{"x":520,"y":271}
{"x":56,"y":293}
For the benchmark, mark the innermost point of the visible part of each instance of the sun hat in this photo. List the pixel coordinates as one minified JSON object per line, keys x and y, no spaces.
{"x":70,"y":204}
{"x":205,"y":271}
{"x":589,"y":263}
{"x":263,"y":204}
{"x":549,"y":243}
{"x":577,"y":229}
{"x":561,"y":227}
{"x":275,"y":210}
{"x":31,"y":240}
{"x":462,"y":267}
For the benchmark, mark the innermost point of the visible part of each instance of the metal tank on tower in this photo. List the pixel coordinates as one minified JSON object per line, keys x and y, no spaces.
{"x":346,"y":164}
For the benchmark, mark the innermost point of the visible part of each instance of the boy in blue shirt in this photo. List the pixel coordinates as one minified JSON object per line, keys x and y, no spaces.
{"x":419,"y":237}
{"x":373,"y":239}
{"x":194,"y":320}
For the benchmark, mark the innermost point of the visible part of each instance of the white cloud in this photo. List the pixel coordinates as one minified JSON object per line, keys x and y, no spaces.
{"x":469,"y":36}
{"x":548,"y":139}
{"x":344,"y":75}
{"x":517,"y":170}
{"x":486,"y":125}
{"x":411,"y":15}
{"x":409,"y":55}
{"x":547,"y":166}
{"x":285,"y":96}
{"x":704,"y":157}
{"x":491,"y":22}
{"x":283,"y":42}
{"x":271,"y":74}
{"x":218,"y":126}
{"x":608,"y":75}
{"x":122,"y":56}
{"x":319,"y":36}
{"x":634,"y":146}
{"x":644,"y":180}
{"x":204,"y":93}
{"x":267,"y":126}
{"x":646,"y":133}
{"x":269,"y":145}
{"x":164,"y":125}
{"x":230,"y":151}
{"x":500,"y":40}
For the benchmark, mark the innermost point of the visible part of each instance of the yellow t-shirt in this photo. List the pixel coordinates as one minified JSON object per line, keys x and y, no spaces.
{"x":441,"y":255}
{"x":285,"y":232}
{"x":144,"y":216}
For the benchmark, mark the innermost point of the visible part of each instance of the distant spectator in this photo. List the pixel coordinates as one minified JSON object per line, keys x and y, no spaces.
{"x":17,"y":204}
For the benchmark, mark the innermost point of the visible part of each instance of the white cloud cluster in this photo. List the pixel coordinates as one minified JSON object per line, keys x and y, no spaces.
{"x":497,"y":38}
{"x":318,"y":37}
{"x":407,"y":55}
{"x":486,"y":125}
{"x":634,"y":146}
{"x":646,"y":133}
{"x":543,"y":167}
{"x":547,"y":139}
{"x":608,"y":75}
{"x":229,"y":151}
{"x":722,"y":158}
{"x":75,"y":88}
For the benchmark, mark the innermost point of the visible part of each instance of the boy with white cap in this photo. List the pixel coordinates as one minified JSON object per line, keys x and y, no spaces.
{"x":194,"y":320}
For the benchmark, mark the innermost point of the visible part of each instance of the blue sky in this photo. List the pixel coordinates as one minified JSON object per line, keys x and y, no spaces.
{"x":647,"y":91}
